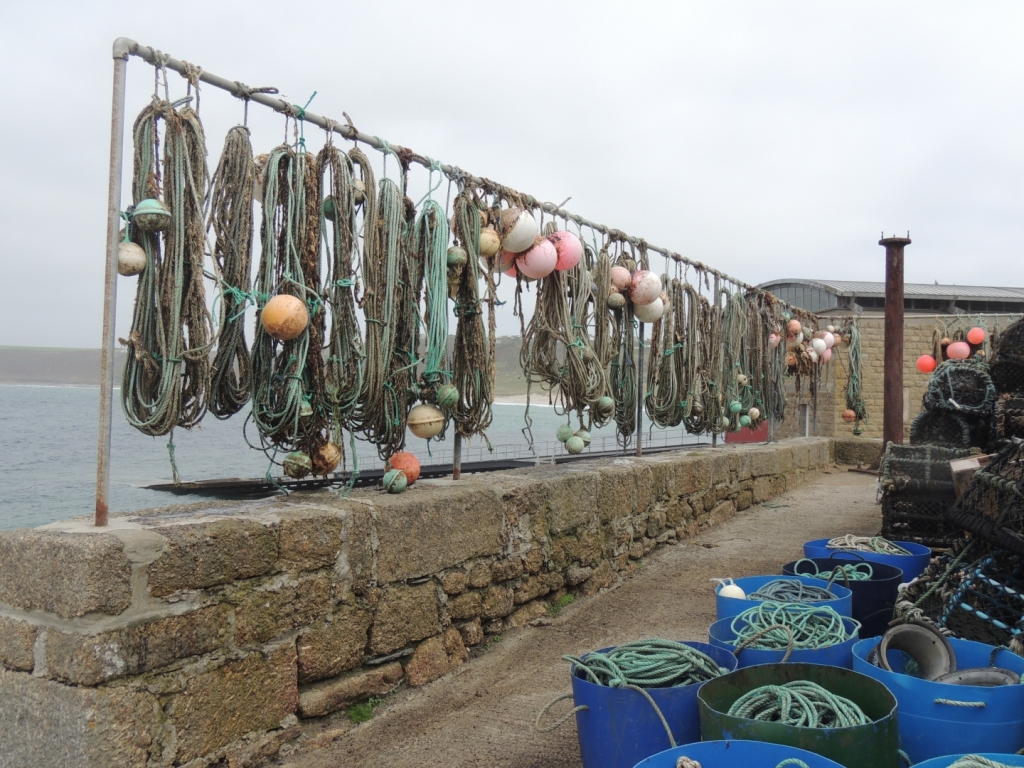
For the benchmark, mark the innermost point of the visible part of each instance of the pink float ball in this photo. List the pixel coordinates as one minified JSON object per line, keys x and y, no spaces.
{"x":826,"y":355}
{"x":773,"y":340}
{"x":926,"y":363}
{"x":538,"y":261}
{"x":976,"y":335}
{"x":958,"y":350}
{"x":621,"y":278}
{"x":569,"y":249}
{"x":645,"y":288}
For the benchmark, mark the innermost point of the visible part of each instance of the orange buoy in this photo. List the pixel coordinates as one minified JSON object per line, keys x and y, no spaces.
{"x":795,"y":327}
{"x":325,"y":459}
{"x":976,"y":335}
{"x":406,"y":462}
{"x":285,"y":317}
{"x":849,"y":415}
{"x":926,"y":363}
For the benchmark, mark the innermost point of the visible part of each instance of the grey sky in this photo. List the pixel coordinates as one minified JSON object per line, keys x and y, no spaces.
{"x":766,"y":139}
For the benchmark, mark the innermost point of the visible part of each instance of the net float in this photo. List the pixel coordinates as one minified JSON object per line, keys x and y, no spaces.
{"x":326,"y":459}
{"x":754,"y":414}
{"x":151,"y":215}
{"x":490,"y":243}
{"x":407,"y":463}
{"x":829,"y":339}
{"x":791,"y":359}
{"x":518,"y":230}
{"x":456,"y":256}
{"x":849,"y":415}
{"x":773,"y":340}
{"x":564,"y":433}
{"x":813,"y":355}
{"x":131,"y":259}
{"x":649,"y":313}
{"x":447,"y":396}
{"x":830,"y":328}
{"x":575,"y":445}
{"x":329,"y":208}
{"x":616,"y":300}
{"x":297,"y":464}
{"x":569,"y":249}
{"x":425,"y":421}
{"x":285,"y":317}
{"x":741,"y":379}
{"x":926,"y":363}
{"x":395,"y":481}
{"x":794,"y":327}
{"x":621,"y":278}
{"x":733,"y":590}
{"x":358,"y":191}
{"x":735,"y":406}
{"x":946,"y":341}
{"x":645,"y":287}
{"x":539,"y":261}
{"x":826,"y":355}
{"x":583,"y":435}
{"x":605,"y":406}
{"x":976,"y":335}
{"x":958,"y":350}
{"x":819,"y":346}
{"x":305,"y":408}
{"x":744,"y":421}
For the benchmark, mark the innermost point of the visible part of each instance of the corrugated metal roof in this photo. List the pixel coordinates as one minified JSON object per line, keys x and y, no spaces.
{"x":910,"y":290}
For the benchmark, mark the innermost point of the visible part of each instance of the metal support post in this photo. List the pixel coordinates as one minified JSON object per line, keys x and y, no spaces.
{"x":457,"y":458}
{"x":640,"y":396}
{"x":892,"y":425}
{"x":110,"y":283}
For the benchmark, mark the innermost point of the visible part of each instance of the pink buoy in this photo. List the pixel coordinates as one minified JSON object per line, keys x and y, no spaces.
{"x":958,"y":350}
{"x":773,"y":340}
{"x":826,"y":355}
{"x":976,"y":336}
{"x":538,"y":261}
{"x":621,"y":278}
{"x":645,"y":288}
{"x":829,"y":340}
{"x":569,"y":249}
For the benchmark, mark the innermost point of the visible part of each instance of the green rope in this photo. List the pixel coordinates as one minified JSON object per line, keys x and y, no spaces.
{"x":799,"y":703}
{"x":854,"y":398}
{"x":792,"y":626}
{"x":977,"y":761}
{"x":791,"y":591}
{"x":652,"y":663}
{"x":876,"y":544}
{"x":849,"y":572}
{"x":687,"y":762}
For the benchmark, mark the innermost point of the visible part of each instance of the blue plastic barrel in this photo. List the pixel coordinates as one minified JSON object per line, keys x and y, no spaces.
{"x":737,"y":754}
{"x":721,"y":635}
{"x":620,"y":728}
{"x":733,"y":606}
{"x":912,"y":565}
{"x":948,"y":760}
{"x":873,"y":599}
{"x":943,"y":719}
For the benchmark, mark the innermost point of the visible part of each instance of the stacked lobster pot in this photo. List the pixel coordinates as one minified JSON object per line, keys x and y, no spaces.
{"x":917,"y":492}
{"x":957,"y":406}
{"x":1007,"y":372}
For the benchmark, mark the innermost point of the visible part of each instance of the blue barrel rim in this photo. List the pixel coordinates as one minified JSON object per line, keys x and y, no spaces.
{"x":910,"y":546}
{"x":832,"y":559}
{"x":695,"y":644}
{"x":843,"y":648}
{"x":811,"y":758}
{"x":945,"y":761}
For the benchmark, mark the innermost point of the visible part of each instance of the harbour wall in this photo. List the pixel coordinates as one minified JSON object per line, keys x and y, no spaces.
{"x":201,"y":635}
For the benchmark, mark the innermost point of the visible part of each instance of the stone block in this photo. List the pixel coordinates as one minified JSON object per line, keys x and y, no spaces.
{"x":534,"y":560}
{"x":589,"y":551}
{"x":762,"y":489}
{"x":466,"y":606}
{"x":764,"y":462}
{"x":68,"y":574}
{"x":577,"y":575}
{"x":856,"y":450}
{"x":205,"y":554}
{"x":787,"y":458}
{"x":479,"y":576}
{"x":404,"y":614}
{"x":433,"y":529}
{"x":455,"y":583}
{"x":723,"y":511}
{"x":16,"y":641}
{"x":436,"y":657}
{"x":497,"y":602}
{"x":506,"y":570}
{"x":49,"y":724}
{"x":92,"y":659}
{"x":527,"y":613}
{"x":329,"y":696}
{"x":333,"y":646}
{"x":218,"y":707}
{"x":309,"y":539}
{"x":636,"y":550}
{"x":720,"y":468}
{"x":283,"y":604}
{"x":531,"y":587}
{"x":572,"y":499}
{"x":359,"y":538}
{"x":472,"y":632}
{"x":603,"y":577}
{"x":616,"y":491}
{"x":744,"y":499}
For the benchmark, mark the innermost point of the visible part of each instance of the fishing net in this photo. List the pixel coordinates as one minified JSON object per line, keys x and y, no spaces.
{"x":919,"y":467}
{"x":963,"y":386}
{"x":1007,"y":375}
{"x":917,"y":491}
{"x":992,"y":508}
{"x":941,"y":428}
{"x":1009,"y":417}
{"x":1010,"y":347}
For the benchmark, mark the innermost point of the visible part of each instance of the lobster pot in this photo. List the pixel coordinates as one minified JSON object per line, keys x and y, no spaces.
{"x":943,"y":719}
{"x":723,"y":636}
{"x":948,"y":760}
{"x":620,"y":728}
{"x":1007,"y":374}
{"x":1010,"y":344}
{"x":737,"y":754}
{"x":912,"y":565}
{"x":728,"y":607}
{"x":961,"y":386}
{"x":873,"y":599}
{"x":947,"y":429}
{"x":1009,"y":416}
{"x":992,"y":507}
{"x":875,"y":745}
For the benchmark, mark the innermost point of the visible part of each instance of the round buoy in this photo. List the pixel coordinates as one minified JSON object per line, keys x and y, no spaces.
{"x":735,"y":406}
{"x":564,"y":433}
{"x":826,"y":355}
{"x":795,"y":327}
{"x":958,"y":350}
{"x":732,"y":590}
{"x":605,"y":406}
{"x":849,"y":415}
{"x":926,"y":363}
{"x":358,"y":191}
{"x":976,"y":335}
{"x":407,"y":463}
{"x":575,"y":445}
{"x":297,"y":464}
{"x":818,"y":345}
{"x":773,"y":340}
{"x":813,"y":355}
{"x":583,"y":435}
{"x":539,"y":261}
{"x":395,"y":481}
{"x":456,"y":256}
{"x":830,"y":328}
{"x":569,"y":249}
{"x":490,"y":242}
{"x":518,"y":230}
{"x":285,"y":317}
{"x":741,"y":379}
{"x":447,"y":396}
{"x":744,"y":421}
{"x":723,"y":423}
{"x":829,"y":339}
{"x":151,"y":215}
{"x":616,"y":300}
{"x":754,"y":414}
{"x":425,"y":421}
{"x":620,"y":278}
{"x":329,"y":208}
{"x":326,"y":459}
{"x":131,"y":259}
{"x":645,"y":287}
{"x":650,"y":312}
{"x":791,"y":359}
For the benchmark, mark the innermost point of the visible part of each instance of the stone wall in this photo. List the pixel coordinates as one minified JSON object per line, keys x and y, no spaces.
{"x":199,"y":635}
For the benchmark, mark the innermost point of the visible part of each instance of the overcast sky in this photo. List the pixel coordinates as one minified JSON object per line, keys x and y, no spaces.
{"x":768,"y":139}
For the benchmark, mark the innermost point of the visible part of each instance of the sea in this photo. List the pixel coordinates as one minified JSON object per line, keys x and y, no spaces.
{"x":48,"y":440}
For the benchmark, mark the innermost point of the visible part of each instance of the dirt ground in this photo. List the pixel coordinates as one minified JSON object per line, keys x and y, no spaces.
{"x":483,"y":713}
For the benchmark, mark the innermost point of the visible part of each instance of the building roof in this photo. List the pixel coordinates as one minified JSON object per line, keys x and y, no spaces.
{"x":855,"y":288}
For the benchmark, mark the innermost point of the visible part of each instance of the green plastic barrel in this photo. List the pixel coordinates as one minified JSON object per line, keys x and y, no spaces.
{"x":875,"y":745}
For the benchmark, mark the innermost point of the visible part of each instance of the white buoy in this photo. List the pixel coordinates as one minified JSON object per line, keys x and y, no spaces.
{"x":729,"y":588}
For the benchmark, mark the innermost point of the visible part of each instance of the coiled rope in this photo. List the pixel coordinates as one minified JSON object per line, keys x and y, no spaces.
{"x":799,"y":703}
{"x":652,"y":663}
{"x":875,"y":544}
{"x":431,"y":248}
{"x":847,"y":572}
{"x":665,"y":399}
{"x":686,"y":762}
{"x":977,"y":761}
{"x":791,"y":591}
{"x":854,"y":398}
{"x":231,"y":200}
{"x":791,"y":626}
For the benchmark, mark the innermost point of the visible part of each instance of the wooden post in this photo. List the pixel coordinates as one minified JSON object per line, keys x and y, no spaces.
{"x":892,"y":425}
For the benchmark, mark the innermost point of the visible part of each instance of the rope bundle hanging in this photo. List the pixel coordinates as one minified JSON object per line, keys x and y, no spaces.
{"x":167,"y":372}
{"x":622,"y":370}
{"x":431,"y":247}
{"x":799,"y":703}
{"x":790,"y":626}
{"x":854,"y":399}
{"x":791,"y":591}
{"x":866,"y":544}
{"x":665,"y":400}
{"x":231,"y":201}
{"x":647,"y":664}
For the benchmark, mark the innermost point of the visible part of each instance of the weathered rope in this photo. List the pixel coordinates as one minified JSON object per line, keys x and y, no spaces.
{"x":799,"y":703}
{"x":875,"y":544}
{"x":849,"y":572}
{"x":651,"y":663}
{"x":791,"y":591}
{"x":790,"y":626}
{"x":977,"y":761}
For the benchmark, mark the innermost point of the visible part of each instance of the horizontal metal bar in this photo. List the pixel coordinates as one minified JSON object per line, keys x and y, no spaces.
{"x":124,"y":47}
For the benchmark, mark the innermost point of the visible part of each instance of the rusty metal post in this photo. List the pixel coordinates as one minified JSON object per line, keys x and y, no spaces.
{"x":640,"y":396}
{"x":110,"y":283}
{"x":892,"y":425}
